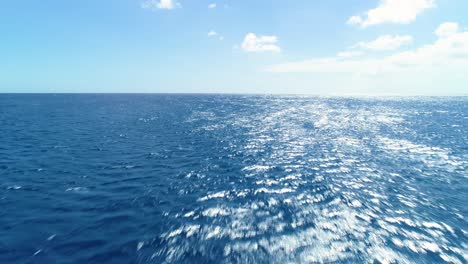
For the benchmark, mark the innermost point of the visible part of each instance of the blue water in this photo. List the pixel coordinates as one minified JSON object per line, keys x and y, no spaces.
{"x":233,"y":179}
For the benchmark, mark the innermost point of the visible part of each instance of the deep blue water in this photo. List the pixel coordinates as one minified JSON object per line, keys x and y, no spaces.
{"x":232,"y":179}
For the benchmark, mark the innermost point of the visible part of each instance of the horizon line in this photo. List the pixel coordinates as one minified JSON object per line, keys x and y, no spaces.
{"x":221,"y":93}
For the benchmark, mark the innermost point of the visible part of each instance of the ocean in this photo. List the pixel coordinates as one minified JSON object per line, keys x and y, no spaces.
{"x":141,"y":178}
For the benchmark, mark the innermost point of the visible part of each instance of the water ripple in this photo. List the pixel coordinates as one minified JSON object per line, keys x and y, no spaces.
{"x":233,"y":179}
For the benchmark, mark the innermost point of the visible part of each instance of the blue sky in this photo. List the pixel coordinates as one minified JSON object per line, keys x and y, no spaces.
{"x":391,"y":47}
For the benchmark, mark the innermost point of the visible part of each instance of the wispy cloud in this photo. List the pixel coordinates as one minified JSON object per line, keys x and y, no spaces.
{"x":447,"y":29}
{"x":450,"y":50}
{"x":386,"y":42}
{"x":160,"y":4}
{"x":252,"y":43}
{"x":212,"y":5}
{"x":213,"y":33}
{"x":349,"y":54}
{"x":392,"y":11}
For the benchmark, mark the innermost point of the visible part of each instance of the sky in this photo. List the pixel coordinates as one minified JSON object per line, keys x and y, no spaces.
{"x":333,"y":47}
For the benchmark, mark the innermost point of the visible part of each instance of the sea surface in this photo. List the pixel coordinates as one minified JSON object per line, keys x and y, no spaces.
{"x":232,"y":179}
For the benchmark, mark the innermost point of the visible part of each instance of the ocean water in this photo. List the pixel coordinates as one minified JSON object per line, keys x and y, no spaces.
{"x":232,"y":179}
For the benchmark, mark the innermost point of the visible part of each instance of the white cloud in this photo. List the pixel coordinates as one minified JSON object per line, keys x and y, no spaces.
{"x":386,"y":42}
{"x":160,"y":4}
{"x":349,"y":54}
{"x":213,"y":33}
{"x":447,"y":29}
{"x":252,"y":43}
{"x":355,"y":20}
{"x":448,"y":52}
{"x":212,"y":5}
{"x":392,"y":11}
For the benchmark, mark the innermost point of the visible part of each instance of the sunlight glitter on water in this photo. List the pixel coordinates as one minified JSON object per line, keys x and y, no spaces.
{"x":336,"y":221}
{"x":239,"y":179}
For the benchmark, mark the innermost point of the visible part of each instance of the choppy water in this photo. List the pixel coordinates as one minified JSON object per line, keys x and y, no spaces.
{"x":232,"y":179}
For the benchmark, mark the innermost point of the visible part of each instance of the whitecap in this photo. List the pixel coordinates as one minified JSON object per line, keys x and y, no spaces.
{"x":77,"y":189}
